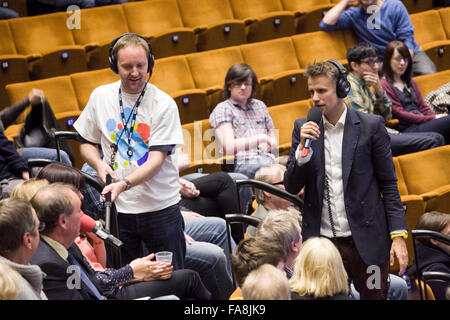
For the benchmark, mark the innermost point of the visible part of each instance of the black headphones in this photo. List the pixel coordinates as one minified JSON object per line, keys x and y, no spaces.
{"x":113,"y":59}
{"x":342,"y":85}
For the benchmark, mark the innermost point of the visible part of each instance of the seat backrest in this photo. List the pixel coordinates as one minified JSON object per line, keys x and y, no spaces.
{"x":101,"y":24}
{"x":302,"y":5}
{"x":427,"y":27}
{"x":320,"y":45}
{"x":199,"y":141}
{"x":204,"y":12}
{"x":270,"y":57}
{"x":41,"y":33}
{"x":85,"y":82}
{"x":254,"y":8}
{"x":58,"y":91}
{"x":209,"y":68}
{"x":426,"y":170}
{"x":402,"y":189}
{"x":284,"y":115}
{"x":445,"y":19}
{"x":164,"y":72}
{"x":414,"y":6}
{"x":430,"y":82}
{"x":152,"y":16}
{"x":7,"y":45}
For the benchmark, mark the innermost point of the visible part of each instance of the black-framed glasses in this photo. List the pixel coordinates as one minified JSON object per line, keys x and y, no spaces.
{"x":371,"y":62}
{"x":277,"y":183}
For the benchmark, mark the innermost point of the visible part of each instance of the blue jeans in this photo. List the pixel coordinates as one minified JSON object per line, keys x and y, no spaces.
{"x":44,"y":153}
{"x":398,"y":290}
{"x":249,"y":167}
{"x":209,"y":254}
{"x":159,"y":230}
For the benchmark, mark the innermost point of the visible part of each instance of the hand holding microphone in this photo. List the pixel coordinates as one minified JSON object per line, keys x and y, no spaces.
{"x":310,"y":130}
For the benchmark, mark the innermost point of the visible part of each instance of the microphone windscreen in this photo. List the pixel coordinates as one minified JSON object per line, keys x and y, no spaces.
{"x":314,"y":114}
{"x":87,"y":224}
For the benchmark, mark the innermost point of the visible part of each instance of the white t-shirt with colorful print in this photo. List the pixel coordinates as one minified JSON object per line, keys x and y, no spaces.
{"x":157,"y":124}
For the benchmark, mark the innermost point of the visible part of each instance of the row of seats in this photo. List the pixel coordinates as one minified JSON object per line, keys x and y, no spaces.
{"x":423,"y":181}
{"x":195,"y":80}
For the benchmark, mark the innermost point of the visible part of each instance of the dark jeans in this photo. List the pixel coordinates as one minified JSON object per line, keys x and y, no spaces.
{"x":408,"y":142}
{"x":359,"y":273}
{"x":185,"y":284}
{"x":161,"y":230}
{"x":441,"y":125}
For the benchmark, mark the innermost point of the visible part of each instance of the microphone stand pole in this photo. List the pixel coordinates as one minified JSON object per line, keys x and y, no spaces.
{"x":108,"y":205}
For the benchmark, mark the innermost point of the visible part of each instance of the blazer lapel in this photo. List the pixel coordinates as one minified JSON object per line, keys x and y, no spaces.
{"x":349,"y":143}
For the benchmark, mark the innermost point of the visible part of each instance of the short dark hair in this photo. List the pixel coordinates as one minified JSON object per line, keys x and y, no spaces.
{"x":433,"y":221}
{"x":60,"y":172}
{"x":16,"y":219}
{"x":238,"y":73}
{"x":361,"y":51}
{"x":388,"y":53}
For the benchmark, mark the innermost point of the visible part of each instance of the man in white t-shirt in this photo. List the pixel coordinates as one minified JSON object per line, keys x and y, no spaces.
{"x":138,"y":128}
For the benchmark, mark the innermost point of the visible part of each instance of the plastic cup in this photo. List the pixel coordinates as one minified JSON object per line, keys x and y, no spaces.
{"x":164,"y":256}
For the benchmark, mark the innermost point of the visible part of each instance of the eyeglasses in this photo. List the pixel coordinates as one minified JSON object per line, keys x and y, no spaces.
{"x":239,"y":84}
{"x":371,"y":62}
{"x":400,"y":58}
{"x":41,"y":226}
{"x":277,"y":183}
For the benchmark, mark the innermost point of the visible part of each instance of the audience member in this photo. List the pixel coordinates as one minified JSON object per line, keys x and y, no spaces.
{"x":6,"y":13}
{"x":378,"y":22}
{"x":272,"y":174}
{"x":408,"y":105}
{"x":208,"y":254}
{"x":19,"y":239}
{"x":266,"y":283}
{"x":59,"y":206}
{"x":319,"y":272}
{"x":283,"y":226}
{"x":9,"y":282}
{"x":242,"y":124}
{"x":432,"y":254}
{"x":351,"y":194}
{"x":146,"y":184}
{"x":367,"y":95}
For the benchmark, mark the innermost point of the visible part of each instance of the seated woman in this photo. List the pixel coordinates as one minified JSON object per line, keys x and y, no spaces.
{"x":434,"y":255}
{"x":319,"y":272}
{"x":408,"y":105}
{"x":141,"y":277}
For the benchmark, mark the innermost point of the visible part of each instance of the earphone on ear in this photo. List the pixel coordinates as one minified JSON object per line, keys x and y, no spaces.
{"x":342,"y":85}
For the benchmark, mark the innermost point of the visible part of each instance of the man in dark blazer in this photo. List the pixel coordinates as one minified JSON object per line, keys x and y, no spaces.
{"x":68,"y":277}
{"x":351,"y":193}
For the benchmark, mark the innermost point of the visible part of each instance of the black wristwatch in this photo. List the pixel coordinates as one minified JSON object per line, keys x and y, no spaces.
{"x":127,"y":183}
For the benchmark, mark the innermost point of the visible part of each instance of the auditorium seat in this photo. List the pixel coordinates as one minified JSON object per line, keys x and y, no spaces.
{"x":430,"y":82}
{"x":85,"y":82}
{"x":430,"y":35}
{"x":414,"y":6}
{"x":283,"y":117}
{"x":213,"y":22}
{"x":98,"y":27}
{"x":414,"y":208}
{"x":445,"y":19}
{"x":265,"y":19}
{"x":173,"y":76}
{"x":58,"y":91}
{"x":48,"y":36}
{"x":13,"y":68}
{"x":165,"y":31}
{"x":210,"y":68}
{"x":199,"y":144}
{"x":320,"y":45}
{"x":276,"y":66}
{"x":308,"y":13}
{"x":426,"y":174}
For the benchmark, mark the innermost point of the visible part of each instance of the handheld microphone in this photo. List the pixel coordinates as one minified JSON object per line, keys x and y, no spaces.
{"x":87,"y":224}
{"x":315,"y":115}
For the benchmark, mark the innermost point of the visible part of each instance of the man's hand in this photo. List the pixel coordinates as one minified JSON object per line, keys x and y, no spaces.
{"x":309,"y":130}
{"x":398,"y":249}
{"x":115,"y":188}
{"x":188,"y":189}
{"x":103,"y":169}
{"x":372,"y":79}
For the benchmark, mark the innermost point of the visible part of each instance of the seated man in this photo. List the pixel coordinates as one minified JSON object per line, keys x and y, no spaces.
{"x":379,"y":28}
{"x":242,"y":124}
{"x":367,"y":95}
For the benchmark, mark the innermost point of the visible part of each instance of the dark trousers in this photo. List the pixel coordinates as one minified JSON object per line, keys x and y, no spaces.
{"x":161,"y":230}
{"x":185,"y":284}
{"x":408,"y":142}
{"x":440,"y":125}
{"x":360,"y":273}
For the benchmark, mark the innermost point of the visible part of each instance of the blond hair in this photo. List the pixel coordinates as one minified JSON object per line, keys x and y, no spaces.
{"x":266,"y":174}
{"x":319,"y":270}
{"x":266,"y":283}
{"x":28,"y":188}
{"x":9,"y":282}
